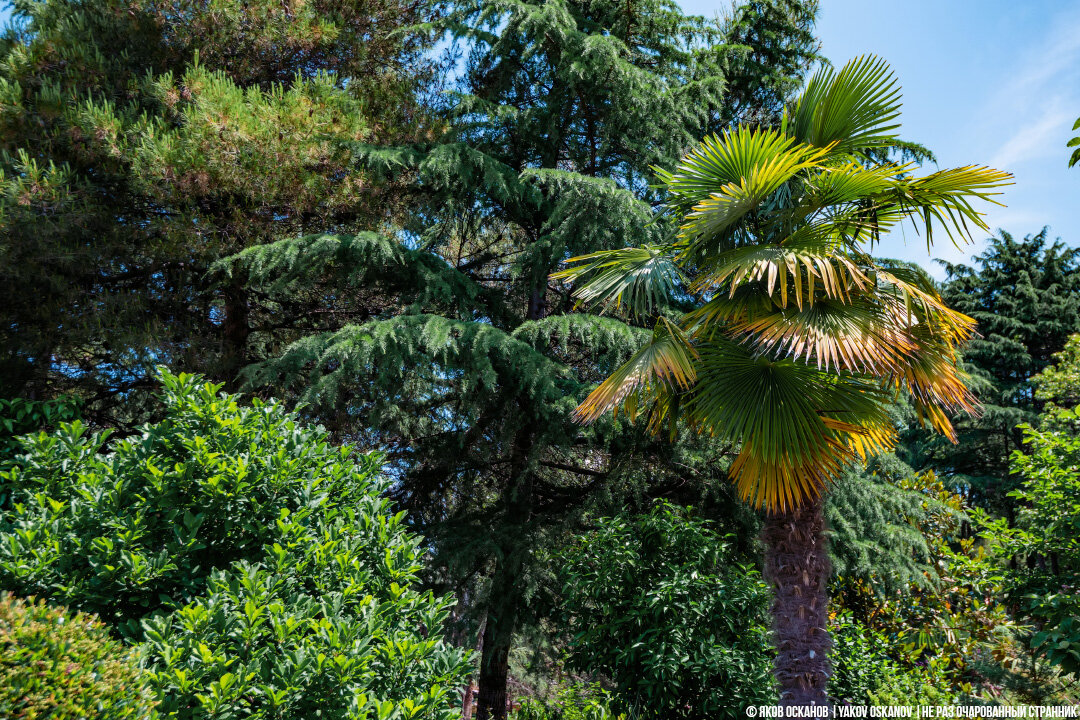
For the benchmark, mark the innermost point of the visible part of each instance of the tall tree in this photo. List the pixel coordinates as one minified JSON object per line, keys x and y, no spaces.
{"x":798,"y":338}
{"x":140,"y":142}
{"x":447,"y":344}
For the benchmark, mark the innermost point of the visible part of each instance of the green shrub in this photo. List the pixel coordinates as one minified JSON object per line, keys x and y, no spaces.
{"x":261,"y":568}
{"x":125,"y":530}
{"x":864,"y":672}
{"x":61,"y":666}
{"x":658,"y":604}
{"x":575,"y":702}
{"x":327,"y":626}
{"x":20,"y":416}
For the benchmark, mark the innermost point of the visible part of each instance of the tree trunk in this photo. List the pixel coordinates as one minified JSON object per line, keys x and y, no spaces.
{"x":234,"y":330}
{"x":498,"y":634}
{"x":797,"y":566}
{"x":505,"y":596}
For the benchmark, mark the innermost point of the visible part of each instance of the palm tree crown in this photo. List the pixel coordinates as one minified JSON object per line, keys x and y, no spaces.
{"x":798,"y":340}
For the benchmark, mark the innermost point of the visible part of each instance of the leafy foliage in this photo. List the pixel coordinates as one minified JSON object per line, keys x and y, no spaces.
{"x":327,"y":624}
{"x":866,"y":674}
{"x":142,"y":142}
{"x":576,"y":702}
{"x":1075,"y":157}
{"x":20,"y":416}
{"x":268,"y":572}
{"x":1047,"y":583}
{"x":127,"y":532}
{"x":1058,"y":387}
{"x":64,"y":666}
{"x":657,"y":603}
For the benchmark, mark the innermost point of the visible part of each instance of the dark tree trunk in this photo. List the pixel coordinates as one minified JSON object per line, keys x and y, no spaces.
{"x":505,"y":596}
{"x":235,"y":329}
{"x":491,"y":699}
{"x":797,"y":567}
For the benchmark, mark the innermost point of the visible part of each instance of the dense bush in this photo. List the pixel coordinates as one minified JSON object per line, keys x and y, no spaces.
{"x":1046,"y":586}
{"x":269,"y":575}
{"x":64,"y":666}
{"x":864,"y":672}
{"x":657,"y":603}
{"x":20,"y":416}
{"x":123,"y":530}
{"x":326,"y":627}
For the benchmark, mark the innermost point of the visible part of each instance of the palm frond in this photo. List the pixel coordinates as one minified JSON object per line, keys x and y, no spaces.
{"x":666,"y":361}
{"x":637,"y":279}
{"x":783,"y":271}
{"x":788,"y":416}
{"x":853,"y":110}
{"x":726,"y":176}
{"x":945,"y":197}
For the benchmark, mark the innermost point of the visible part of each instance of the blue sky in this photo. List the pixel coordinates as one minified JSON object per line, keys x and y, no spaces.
{"x":986,"y":82}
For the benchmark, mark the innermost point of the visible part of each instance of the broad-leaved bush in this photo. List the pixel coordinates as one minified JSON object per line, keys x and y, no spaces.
{"x":660,"y":605}
{"x":260,"y":568}
{"x":64,"y":666}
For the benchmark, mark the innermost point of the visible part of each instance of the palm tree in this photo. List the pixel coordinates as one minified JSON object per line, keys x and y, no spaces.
{"x":799,"y":341}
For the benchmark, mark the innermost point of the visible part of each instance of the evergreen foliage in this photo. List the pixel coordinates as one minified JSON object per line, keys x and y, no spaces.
{"x":1057,"y":386}
{"x":142,"y":142}
{"x":129,"y":529}
{"x":260,"y":568}
{"x":876,"y":515}
{"x":1025,"y":297}
{"x":326,"y":624}
{"x":1045,"y":584}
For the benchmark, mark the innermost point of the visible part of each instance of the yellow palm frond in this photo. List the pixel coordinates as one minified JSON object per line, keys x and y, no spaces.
{"x":799,"y":340}
{"x":667,"y":360}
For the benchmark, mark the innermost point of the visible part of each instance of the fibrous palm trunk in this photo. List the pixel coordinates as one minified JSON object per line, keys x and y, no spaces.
{"x":797,"y":566}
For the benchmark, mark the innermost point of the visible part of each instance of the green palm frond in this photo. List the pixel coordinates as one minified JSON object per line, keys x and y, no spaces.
{"x":637,"y":279}
{"x":855,"y":109}
{"x":666,"y":362}
{"x":830,"y":335}
{"x":725,"y":177}
{"x":945,"y":197}
{"x":848,"y":183}
{"x":799,"y":340}
{"x":790,"y":418}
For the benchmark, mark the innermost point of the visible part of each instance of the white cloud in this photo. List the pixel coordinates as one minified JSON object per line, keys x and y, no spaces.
{"x":1039,"y":138}
{"x":1037,"y":101}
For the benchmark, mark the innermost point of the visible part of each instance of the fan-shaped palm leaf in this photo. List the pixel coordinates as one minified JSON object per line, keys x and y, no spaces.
{"x":800,"y":338}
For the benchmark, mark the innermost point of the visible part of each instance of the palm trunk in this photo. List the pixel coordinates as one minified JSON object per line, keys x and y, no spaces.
{"x":797,"y":566}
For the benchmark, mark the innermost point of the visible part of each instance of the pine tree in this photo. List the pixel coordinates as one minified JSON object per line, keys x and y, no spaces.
{"x":140,"y":142}
{"x":447,"y":344}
